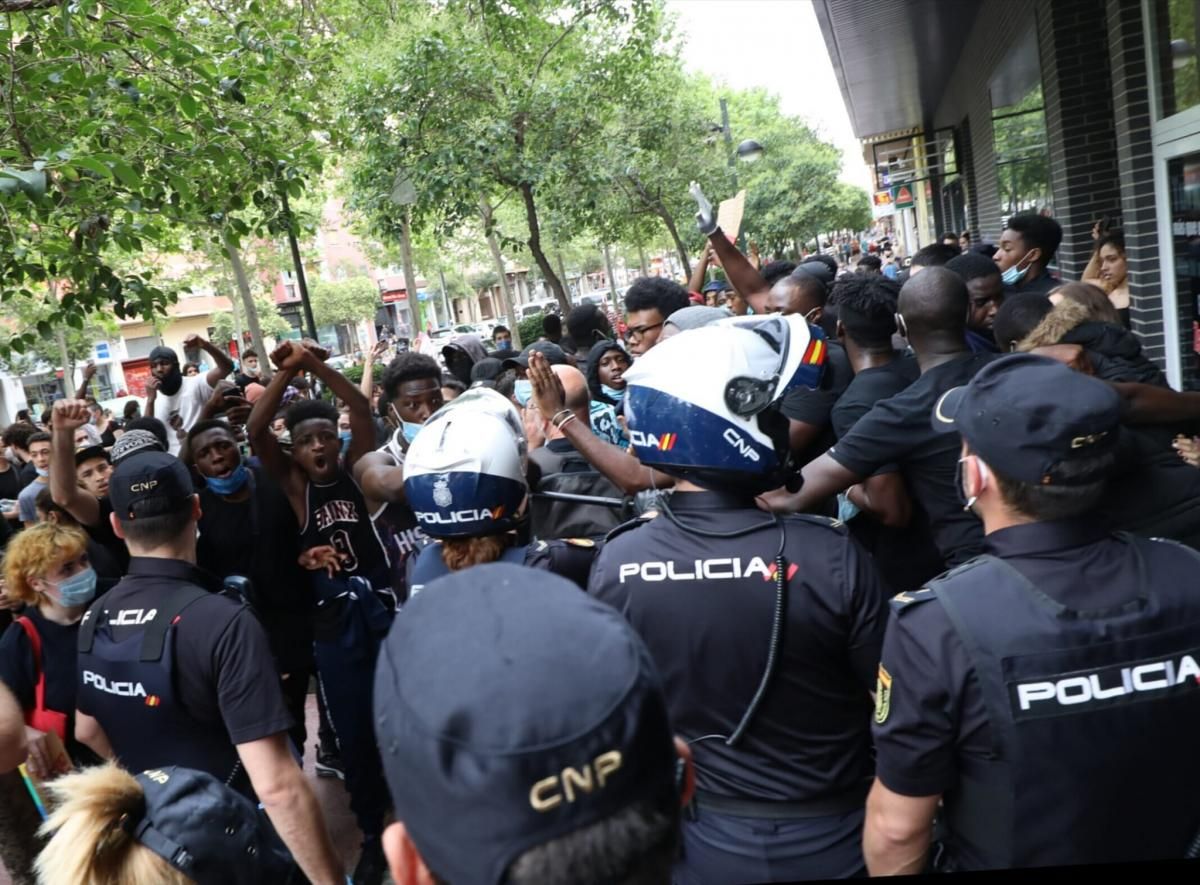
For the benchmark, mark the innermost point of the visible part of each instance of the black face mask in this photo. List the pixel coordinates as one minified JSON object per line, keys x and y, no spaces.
{"x":171,"y":382}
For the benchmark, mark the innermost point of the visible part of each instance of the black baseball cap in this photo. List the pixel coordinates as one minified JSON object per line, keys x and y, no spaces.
{"x":87,"y":453}
{"x":1028,"y":415}
{"x":554,"y":354}
{"x":151,"y":484}
{"x":554,"y":721}
{"x":205,"y":830}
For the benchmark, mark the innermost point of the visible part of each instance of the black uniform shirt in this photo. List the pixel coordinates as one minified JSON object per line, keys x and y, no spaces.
{"x":898,"y":430}
{"x":223,"y":664}
{"x":709,"y":638}
{"x":936,"y":713}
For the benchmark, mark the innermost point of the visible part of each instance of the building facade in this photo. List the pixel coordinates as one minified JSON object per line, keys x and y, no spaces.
{"x":1087,"y":110}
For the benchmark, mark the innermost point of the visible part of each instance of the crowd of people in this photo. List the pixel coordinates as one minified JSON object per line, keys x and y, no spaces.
{"x":805,"y":571}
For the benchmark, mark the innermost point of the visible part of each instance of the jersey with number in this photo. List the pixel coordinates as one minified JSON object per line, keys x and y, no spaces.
{"x":337,"y":517}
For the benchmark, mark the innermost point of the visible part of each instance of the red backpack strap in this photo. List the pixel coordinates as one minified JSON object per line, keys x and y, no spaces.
{"x":35,"y":640}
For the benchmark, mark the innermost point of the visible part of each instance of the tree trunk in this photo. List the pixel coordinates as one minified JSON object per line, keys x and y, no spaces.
{"x":68,"y":364}
{"x":562,"y":271}
{"x":243,"y":284}
{"x":680,"y":249}
{"x":535,"y":249}
{"x":642,"y":261}
{"x":485,"y":212}
{"x":410,"y":274}
{"x":608,"y":266}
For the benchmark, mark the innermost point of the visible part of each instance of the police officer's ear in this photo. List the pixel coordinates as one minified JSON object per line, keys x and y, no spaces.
{"x":841,"y":332}
{"x":404,"y":861}
{"x":196,"y":511}
{"x":687,"y":789}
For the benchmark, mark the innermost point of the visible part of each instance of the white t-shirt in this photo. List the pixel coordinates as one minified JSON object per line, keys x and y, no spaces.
{"x":188,"y":401}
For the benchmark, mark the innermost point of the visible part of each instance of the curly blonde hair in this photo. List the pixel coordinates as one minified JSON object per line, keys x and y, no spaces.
{"x":34,"y":552}
{"x":88,"y":846}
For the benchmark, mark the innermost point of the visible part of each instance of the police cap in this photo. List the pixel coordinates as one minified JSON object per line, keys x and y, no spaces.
{"x":1028,"y":415}
{"x":152,"y":484}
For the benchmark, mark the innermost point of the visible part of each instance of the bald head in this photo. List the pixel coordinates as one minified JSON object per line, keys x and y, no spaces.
{"x":934,"y":304}
{"x":575,"y":388}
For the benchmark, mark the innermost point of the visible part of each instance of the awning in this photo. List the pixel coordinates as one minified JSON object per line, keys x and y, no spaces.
{"x":894,"y":58}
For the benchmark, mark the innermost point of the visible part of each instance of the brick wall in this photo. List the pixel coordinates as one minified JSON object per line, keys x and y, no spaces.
{"x":1135,"y":167}
{"x":1073,"y":40}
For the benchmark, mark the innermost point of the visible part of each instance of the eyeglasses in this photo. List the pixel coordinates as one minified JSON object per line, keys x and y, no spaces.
{"x":638,"y":331}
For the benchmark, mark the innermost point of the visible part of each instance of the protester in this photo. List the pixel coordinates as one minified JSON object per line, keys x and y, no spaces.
{"x":648,"y":303}
{"x":348,"y":564}
{"x":1027,"y":247}
{"x":502,"y":342}
{"x":1108,"y":268}
{"x":606,"y":386}
{"x":177,"y":399}
{"x":986,"y":293}
{"x":39,"y":457}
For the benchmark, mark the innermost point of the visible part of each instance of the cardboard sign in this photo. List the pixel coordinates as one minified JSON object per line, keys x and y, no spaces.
{"x":729,"y":214}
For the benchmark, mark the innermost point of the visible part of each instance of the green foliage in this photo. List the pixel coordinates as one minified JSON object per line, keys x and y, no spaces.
{"x":341,"y":302}
{"x":530,"y":328}
{"x":153,"y":122}
{"x":39,"y":313}
{"x":270,"y":321}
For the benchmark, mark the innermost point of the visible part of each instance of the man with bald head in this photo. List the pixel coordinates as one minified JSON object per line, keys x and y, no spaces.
{"x":558,"y":474}
{"x":932,"y":315}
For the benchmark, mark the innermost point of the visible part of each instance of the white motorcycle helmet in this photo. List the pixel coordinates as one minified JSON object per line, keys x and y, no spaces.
{"x":464,"y":473}
{"x":703,"y":405}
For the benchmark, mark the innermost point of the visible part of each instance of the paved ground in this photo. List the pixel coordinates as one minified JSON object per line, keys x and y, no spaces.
{"x":331,"y":793}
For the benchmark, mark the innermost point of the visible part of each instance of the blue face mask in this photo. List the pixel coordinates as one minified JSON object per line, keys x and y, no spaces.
{"x":41,"y":472}
{"x":79,"y":589}
{"x":410,"y":429}
{"x":228,"y":485}
{"x":344,"y":436}
{"x":1015,"y":274}
{"x":612,"y":392}
{"x":523,"y":391}
{"x":506,"y":344}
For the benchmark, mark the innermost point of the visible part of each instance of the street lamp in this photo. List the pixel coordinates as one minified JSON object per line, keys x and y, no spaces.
{"x":749,"y":150}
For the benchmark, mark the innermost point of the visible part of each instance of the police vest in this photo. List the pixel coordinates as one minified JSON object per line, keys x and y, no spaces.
{"x":132,"y":686}
{"x":572,"y":499}
{"x":1093,"y":717}
{"x":430,"y":565}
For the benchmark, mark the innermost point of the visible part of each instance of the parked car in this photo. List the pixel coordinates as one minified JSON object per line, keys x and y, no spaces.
{"x":545,"y":305}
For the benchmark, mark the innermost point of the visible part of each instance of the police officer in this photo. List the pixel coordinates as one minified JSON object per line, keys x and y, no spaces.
{"x":173,"y":673}
{"x":1046,"y":691}
{"x":464,"y":478}
{"x":766,"y":629}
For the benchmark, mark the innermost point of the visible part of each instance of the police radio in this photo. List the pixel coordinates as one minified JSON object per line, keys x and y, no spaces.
{"x":239,"y":588}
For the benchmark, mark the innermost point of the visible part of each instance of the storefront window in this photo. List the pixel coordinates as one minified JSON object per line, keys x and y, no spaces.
{"x":1183,"y":176}
{"x":1176,"y":39}
{"x":1022,"y":157}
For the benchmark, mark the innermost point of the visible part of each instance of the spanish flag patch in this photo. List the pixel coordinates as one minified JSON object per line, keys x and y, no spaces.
{"x":883,"y":696}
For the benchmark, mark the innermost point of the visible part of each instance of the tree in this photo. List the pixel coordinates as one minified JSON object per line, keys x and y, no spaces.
{"x":47,"y":350}
{"x":344,"y":302}
{"x":491,"y":98}
{"x":270,"y":320}
{"x":132,"y":125}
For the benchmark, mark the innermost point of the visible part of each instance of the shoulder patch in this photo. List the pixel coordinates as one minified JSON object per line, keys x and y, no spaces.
{"x":902,"y":601}
{"x":883,"y":696}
